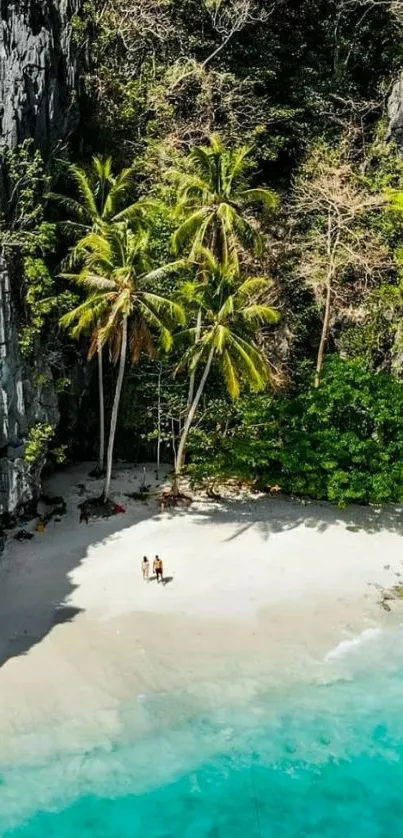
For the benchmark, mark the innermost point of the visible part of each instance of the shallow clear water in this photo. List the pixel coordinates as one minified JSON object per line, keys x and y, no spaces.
{"x":323,"y":759}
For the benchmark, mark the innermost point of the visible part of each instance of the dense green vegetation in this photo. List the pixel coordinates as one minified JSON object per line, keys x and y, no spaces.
{"x":227,"y":243}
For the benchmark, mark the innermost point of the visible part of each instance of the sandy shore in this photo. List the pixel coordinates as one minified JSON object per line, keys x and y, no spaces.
{"x":253,"y":586}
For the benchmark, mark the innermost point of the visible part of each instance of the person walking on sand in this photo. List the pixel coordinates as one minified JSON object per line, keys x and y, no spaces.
{"x":84,"y":515}
{"x":158,"y":569}
{"x":145,"y":568}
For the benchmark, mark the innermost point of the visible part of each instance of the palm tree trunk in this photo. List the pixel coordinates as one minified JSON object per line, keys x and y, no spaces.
{"x":325,"y":331}
{"x":192,"y":378}
{"x":115,"y":410}
{"x":159,"y":423}
{"x":189,"y":419}
{"x":101,"y":462}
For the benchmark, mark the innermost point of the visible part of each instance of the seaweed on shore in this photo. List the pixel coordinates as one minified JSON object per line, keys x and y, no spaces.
{"x":141,"y":495}
{"x":169,"y":499}
{"x":99,"y":508}
{"x":390,"y":595}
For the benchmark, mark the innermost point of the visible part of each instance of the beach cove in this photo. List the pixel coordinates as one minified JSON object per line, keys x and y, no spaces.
{"x":113,"y":689}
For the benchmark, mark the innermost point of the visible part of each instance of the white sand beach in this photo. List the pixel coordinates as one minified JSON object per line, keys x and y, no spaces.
{"x":252,"y":585}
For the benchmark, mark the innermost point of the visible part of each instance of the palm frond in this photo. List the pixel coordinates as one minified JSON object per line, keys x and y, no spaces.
{"x":135,"y":214}
{"x":90,"y":280}
{"x":221,"y":334}
{"x":166,"y":339}
{"x":191,"y":293}
{"x":97,"y":247}
{"x":166,"y":270}
{"x":216,"y":144}
{"x":84,"y":189}
{"x":230,"y":375}
{"x":260,"y":314}
{"x":141,"y":340}
{"x":261,"y":195}
{"x":190,"y":184}
{"x":72,"y":207}
{"x":112,"y":322}
{"x":72,"y":229}
{"x":251,"y":361}
{"x":247,"y":233}
{"x":150,"y":315}
{"x":226,"y":310}
{"x":188,"y":229}
{"x":102,"y":168}
{"x":119,"y":189}
{"x":84,"y":315}
{"x":201,"y":159}
{"x":192,"y":358}
{"x":165,"y":307}
{"x":251,"y":286}
{"x":207,"y":261}
{"x":238,"y":164}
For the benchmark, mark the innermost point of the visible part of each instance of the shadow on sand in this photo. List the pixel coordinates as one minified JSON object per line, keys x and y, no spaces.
{"x":35,"y":582}
{"x":165,"y":580}
{"x":270,"y":515}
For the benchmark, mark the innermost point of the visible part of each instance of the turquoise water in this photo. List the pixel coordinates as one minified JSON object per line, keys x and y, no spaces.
{"x":320,"y":759}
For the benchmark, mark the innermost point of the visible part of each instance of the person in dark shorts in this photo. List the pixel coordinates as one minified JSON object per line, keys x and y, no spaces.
{"x":84,"y":515}
{"x":145,"y":566}
{"x":158,"y":569}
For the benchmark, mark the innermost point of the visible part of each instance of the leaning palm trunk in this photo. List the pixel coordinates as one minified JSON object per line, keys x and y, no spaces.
{"x":101,"y":462}
{"x":325,"y":332}
{"x":180,"y":457}
{"x":115,"y":410}
{"x":192,"y":378}
{"x":159,"y":417}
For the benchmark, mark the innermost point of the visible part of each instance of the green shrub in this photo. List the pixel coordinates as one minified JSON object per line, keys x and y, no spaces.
{"x":37,"y":442}
{"x":342,"y":442}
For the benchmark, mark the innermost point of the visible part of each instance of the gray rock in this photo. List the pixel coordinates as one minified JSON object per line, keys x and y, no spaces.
{"x":38,"y":82}
{"x":23,"y":404}
{"x":395,"y":111}
{"x":37,"y":70}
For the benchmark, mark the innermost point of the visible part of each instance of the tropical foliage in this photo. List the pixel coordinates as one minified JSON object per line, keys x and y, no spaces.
{"x":212,"y":199}
{"x":340,"y":442}
{"x":231,"y":216}
{"x":121,"y":307}
{"x":230,"y":312}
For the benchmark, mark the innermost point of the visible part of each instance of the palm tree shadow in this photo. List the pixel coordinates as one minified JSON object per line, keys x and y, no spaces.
{"x":36,"y":583}
{"x":271,"y":515}
{"x":240,"y":531}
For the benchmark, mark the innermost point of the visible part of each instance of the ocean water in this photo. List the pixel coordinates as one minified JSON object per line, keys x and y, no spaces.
{"x":323,"y":758}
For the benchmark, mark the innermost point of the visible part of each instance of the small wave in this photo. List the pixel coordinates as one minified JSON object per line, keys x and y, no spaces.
{"x":345,"y":646}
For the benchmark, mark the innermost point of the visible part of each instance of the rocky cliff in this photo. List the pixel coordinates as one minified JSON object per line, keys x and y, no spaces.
{"x":395,"y":111}
{"x":38,"y":83}
{"x":37,"y":70}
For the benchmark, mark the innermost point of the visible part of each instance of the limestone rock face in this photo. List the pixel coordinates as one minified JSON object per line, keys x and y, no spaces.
{"x":38,"y":82}
{"x":37,"y":70}
{"x":395,"y":111}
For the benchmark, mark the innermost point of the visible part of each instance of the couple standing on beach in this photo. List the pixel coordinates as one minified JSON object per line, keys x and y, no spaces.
{"x":158,"y":569}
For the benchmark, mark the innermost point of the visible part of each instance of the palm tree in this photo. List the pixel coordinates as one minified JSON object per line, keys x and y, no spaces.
{"x":102,"y":198}
{"x":84,"y":320}
{"x":213,"y":200}
{"x":116,"y":272}
{"x":231,"y":312}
